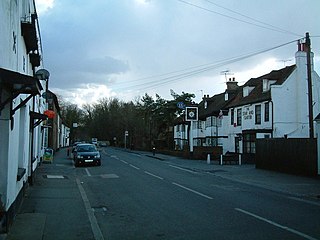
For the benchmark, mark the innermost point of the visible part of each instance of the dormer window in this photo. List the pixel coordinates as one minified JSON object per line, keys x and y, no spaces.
{"x":205,"y":104}
{"x":266,"y":84}
{"x":247,"y":90}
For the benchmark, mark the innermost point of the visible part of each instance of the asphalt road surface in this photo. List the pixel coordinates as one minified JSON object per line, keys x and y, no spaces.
{"x":134,"y":196}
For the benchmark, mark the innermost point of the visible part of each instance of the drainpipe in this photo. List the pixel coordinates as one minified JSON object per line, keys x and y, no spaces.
{"x":272,"y":118}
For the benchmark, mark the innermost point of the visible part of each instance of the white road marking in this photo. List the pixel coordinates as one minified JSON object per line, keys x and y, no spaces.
{"x":133,"y":166}
{"x":305,"y":201}
{"x":110,"y":175}
{"x":55,"y":176}
{"x":88,"y":173}
{"x":137,"y":155}
{"x":124,"y":161}
{"x":114,"y":156}
{"x":191,"y":190}
{"x":183,"y":169}
{"x":153,"y":175}
{"x":93,"y":221}
{"x":276,"y":224}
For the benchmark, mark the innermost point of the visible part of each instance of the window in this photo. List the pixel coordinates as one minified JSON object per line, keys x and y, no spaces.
{"x":249,"y":143}
{"x":237,"y":144}
{"x":209,"y":121}
{"x":232,"y":116}
{"x":258,"y":114}
{"x":239,"y":117}
{"x":266,"y":112}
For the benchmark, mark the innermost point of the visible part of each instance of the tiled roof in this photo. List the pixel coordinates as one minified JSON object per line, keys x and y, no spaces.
{"x":214,"y":105}
{"x":217,"y":102}
{"x":257,"y":95}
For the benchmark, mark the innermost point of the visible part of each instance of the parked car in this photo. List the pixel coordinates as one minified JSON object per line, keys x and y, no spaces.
{"x":86,"y":154}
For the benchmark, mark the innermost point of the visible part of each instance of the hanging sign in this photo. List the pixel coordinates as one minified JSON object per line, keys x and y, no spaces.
{"x":50,"y":114}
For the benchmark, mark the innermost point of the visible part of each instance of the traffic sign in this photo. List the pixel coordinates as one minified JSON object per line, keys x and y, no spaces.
{"x":181,"y":105}
{"x":191,"y":113}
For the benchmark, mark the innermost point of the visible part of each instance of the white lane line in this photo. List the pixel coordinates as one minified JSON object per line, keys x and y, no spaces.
{"x":186,"y":170}
{"x":124,"y":161}
{"x":135,"y":167}
{"x":191,"y":190}
{"x":114,"y":156}
{"x":276,"y":224}
{"x":93,"y":221}
{"x":88,"y":173}
{"x":153,"y":175}
{"x":137,"y":155}
{"x":305,"y":201}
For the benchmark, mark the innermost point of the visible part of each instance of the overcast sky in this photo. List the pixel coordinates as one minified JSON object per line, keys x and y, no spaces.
{"x":125,"y":48}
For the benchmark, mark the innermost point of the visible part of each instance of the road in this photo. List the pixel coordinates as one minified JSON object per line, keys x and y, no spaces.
{"x":138,"y":197}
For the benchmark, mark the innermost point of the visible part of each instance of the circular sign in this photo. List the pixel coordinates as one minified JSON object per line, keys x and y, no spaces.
{"x":181,"y":105}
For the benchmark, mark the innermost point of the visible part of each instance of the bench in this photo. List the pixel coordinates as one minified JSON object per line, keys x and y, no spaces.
{"x":230,"y":157}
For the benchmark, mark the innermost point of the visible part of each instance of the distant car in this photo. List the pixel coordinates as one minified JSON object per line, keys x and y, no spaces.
{"x":103,"y":144}
{"x":86,"y":154}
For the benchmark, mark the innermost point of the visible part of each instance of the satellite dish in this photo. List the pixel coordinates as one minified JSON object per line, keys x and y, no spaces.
{"x":42,"y":74}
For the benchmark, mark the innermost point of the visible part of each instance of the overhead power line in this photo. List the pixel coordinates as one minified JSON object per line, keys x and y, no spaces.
{"x":168,"y":78}
{"x":255,"y":22}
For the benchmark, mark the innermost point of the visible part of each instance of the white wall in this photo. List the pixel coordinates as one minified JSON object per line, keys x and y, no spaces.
{"x":15,"y":145}
{"x":290,"y":100}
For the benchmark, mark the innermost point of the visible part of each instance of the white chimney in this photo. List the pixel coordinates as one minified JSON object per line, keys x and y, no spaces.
{"x":301,"y":57}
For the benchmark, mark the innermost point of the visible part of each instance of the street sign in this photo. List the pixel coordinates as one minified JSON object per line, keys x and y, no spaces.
{"x":191,"y":113}
{"x":181,"y":105}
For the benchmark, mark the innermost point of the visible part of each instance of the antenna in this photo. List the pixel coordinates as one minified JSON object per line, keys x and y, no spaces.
{"x":284,"y":61}
{"x":226,"y":73}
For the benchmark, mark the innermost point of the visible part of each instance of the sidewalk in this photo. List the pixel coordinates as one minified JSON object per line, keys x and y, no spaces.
{"x":297,"y":186}
{"x":52,"y":207}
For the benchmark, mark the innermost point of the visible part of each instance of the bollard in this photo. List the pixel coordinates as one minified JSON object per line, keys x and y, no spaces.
{"x":239,"y":159}
{"x":221,"y":156}
{"x":208,"y":159}
{"x":153,"y":151}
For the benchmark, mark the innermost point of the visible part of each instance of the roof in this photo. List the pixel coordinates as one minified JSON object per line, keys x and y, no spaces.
{"x":257,"y":95}
{"x":214,"y":104}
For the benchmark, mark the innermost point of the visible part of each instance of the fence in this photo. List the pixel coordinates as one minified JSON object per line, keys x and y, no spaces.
{"x":292,"y":155}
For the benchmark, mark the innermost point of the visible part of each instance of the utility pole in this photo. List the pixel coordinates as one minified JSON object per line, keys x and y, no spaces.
{"x":310,"y":99}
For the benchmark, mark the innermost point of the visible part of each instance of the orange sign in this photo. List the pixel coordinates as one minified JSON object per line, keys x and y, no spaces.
{"x":51,"y":114}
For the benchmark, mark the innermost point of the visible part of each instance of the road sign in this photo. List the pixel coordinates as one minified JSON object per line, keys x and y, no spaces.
{"x":191,"y":113}
{"x":181,"y":105}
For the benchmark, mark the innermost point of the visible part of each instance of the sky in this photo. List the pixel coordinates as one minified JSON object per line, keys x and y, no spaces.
{"x":125,"y":48}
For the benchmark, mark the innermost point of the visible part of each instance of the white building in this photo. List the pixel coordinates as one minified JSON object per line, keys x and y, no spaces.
{"x":274,"y":105}
{"x":21,"y":104}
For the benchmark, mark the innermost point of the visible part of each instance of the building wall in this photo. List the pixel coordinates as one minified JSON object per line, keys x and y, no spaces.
{"x":16,"y":144}
{"x":290,"y":101}
{"x":288,"y":112}
{"x":180,"y":136}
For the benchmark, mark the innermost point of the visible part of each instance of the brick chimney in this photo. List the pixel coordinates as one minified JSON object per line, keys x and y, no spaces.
{"x":232,"y":84}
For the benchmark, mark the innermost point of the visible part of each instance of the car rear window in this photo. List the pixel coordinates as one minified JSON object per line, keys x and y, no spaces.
{"x":87,"y":148}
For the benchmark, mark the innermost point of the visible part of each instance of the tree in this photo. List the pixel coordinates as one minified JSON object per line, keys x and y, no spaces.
{"x":149,"y":121}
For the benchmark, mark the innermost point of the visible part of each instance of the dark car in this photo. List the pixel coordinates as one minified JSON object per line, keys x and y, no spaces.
{"x":86,"y":154}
